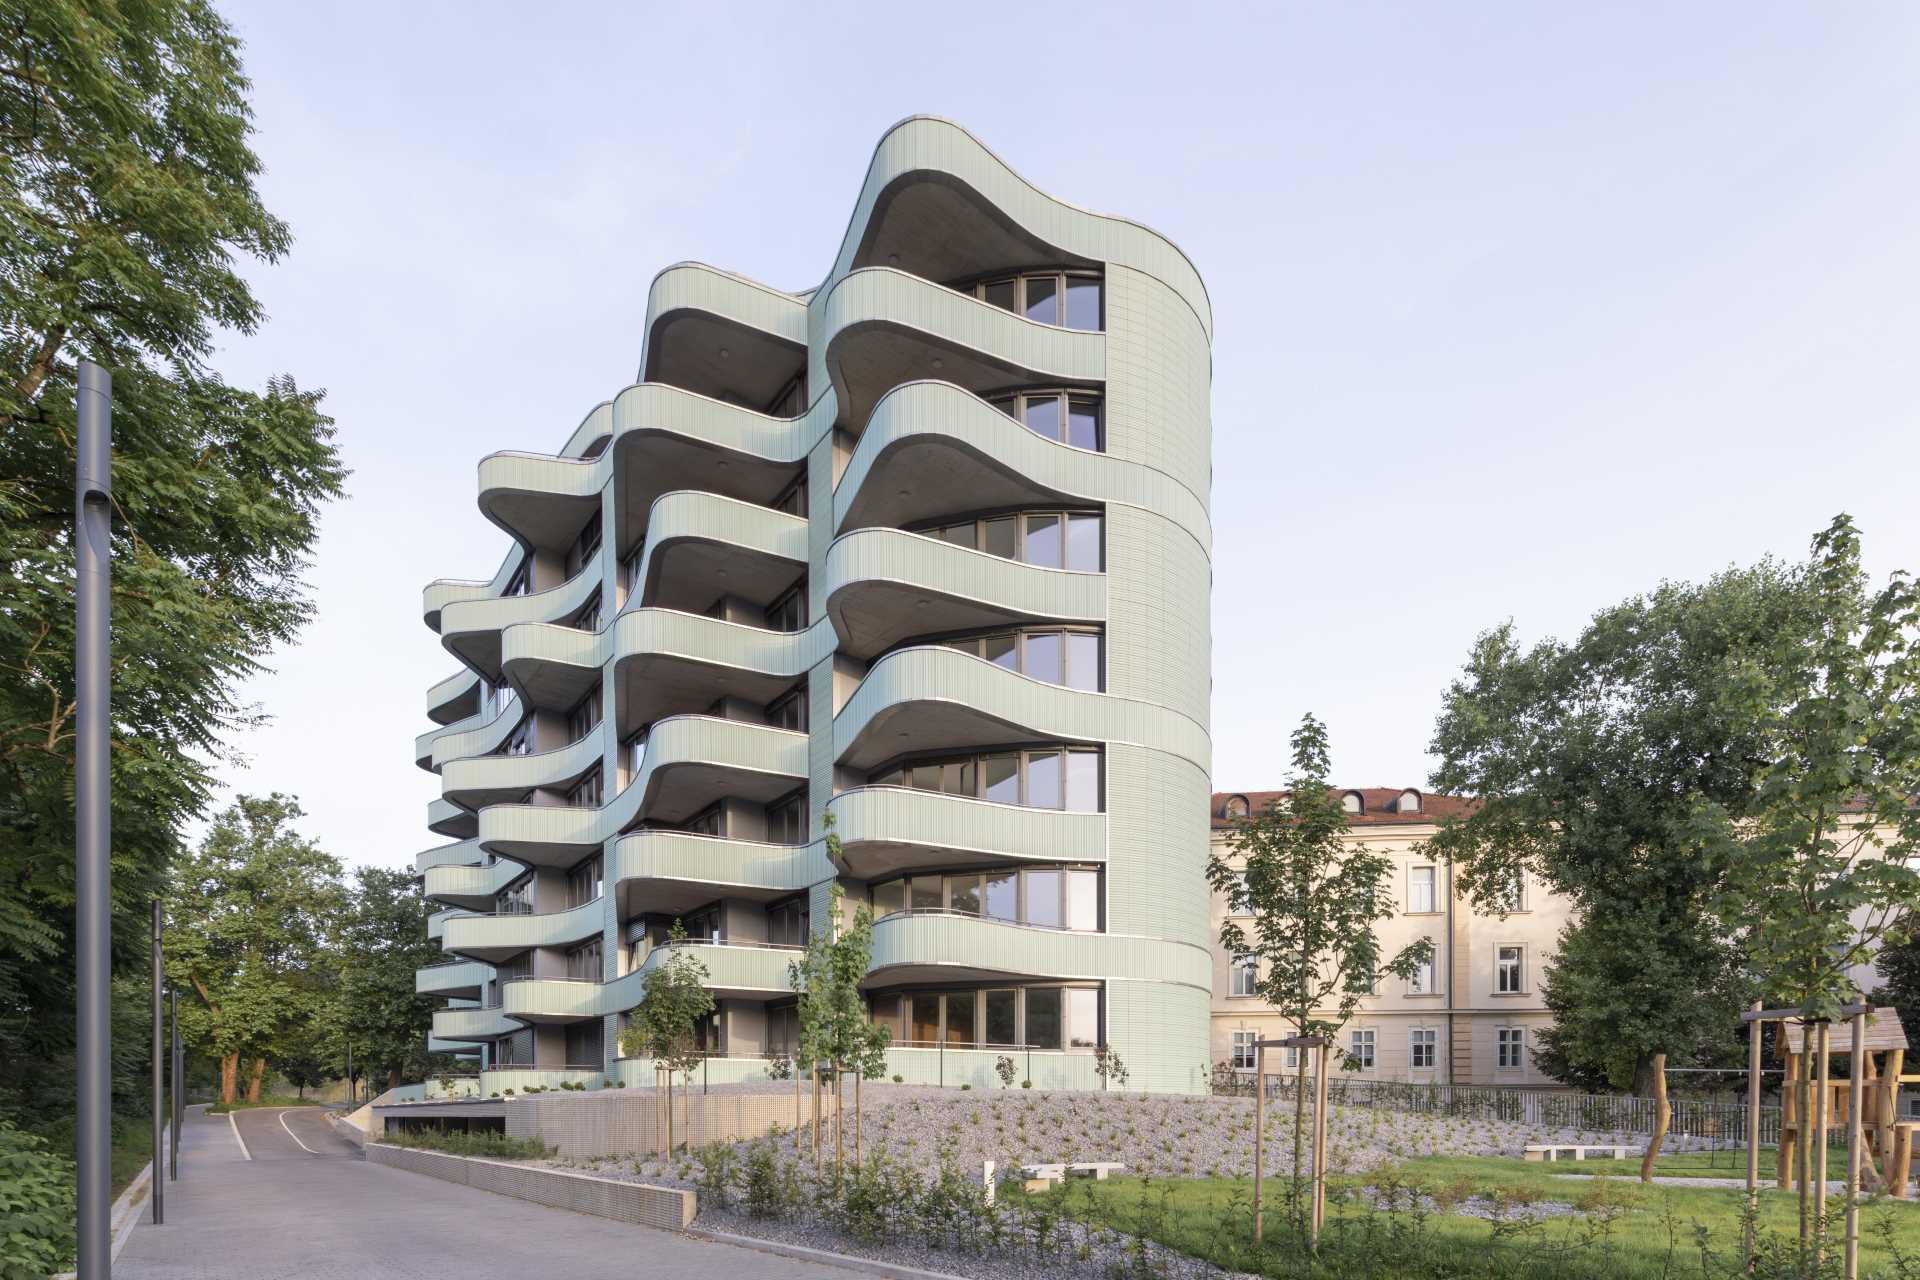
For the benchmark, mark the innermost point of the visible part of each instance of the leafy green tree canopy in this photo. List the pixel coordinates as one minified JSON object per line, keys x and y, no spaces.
{"x":127,"y":206}
{"x":382,"y":940}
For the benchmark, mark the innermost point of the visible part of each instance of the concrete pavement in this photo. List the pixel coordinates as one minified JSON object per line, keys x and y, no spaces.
{"x":276,"y":1193}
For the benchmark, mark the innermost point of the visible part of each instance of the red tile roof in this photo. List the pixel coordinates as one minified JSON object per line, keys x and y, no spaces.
{"x":1377,"y":805}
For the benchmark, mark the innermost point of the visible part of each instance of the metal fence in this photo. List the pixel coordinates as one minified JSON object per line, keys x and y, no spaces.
{"x":1720,"y":1123}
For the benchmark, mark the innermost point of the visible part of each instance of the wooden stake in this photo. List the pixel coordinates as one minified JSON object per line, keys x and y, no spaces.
{"x":1319,"y":1206}
{"x":1824,"y":1107}
{"x":1259,"y":1136}
{"x":813,"y":1069}
{"x":1854,"y":1098}
{"x":1756,"y":1032}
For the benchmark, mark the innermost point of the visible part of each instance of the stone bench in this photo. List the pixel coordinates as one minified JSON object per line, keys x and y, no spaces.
{"x":1551,"y":1151}
{"x":1042,"y":1176}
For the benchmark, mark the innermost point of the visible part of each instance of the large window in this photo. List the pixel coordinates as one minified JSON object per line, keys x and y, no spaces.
{"x":588,"y":619}
{"x":1421,"y":983}
{"x":995,"y":1017}
{"x":1052,"y":778}
{"x":584,"y":963}
{"x":1070,"y":417}
{"x":789,"y":612}
{"x":630,"y":571}
{"x":520,"y":741}
{"x":516,"y":899}
{"x":1422,"y":1048}
{"x":789,"y":710}
{"x":1069,"y":298}
{"x":522,"y":580}
{"x":1063,"y":897}
{"x":583,"y":882}
{"x":1246,"y":976}
{"x":1509,"y":970}
{"x":1071,"y":658}
{"x":1050,"y":539}
{"x":787,"y":820}
{"x":793,"y":501}
{"x":1420,"y":898}
{"x":787,"y":923}
{"x":586,"y":1044}
{"x":584,"y":718}
{"x":585,"y":546}
{"x":1243,"y":1051}
{"x":588,"y":792}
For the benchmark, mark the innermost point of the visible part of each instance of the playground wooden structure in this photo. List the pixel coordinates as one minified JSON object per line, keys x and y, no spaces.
{"x":1812,"y":1103}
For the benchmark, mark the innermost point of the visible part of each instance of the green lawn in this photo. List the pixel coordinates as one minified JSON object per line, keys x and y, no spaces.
{"x":1623,"y":1229}
{"x":132,"y":1148}
{"x":1699,"y":1164}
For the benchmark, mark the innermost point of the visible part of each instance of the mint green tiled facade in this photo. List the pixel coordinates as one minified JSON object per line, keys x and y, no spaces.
{"x":830,"y":555}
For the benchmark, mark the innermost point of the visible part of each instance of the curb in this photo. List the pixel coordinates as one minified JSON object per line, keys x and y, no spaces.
{"x":826,"y":1257}
{"x":124,"y":1216}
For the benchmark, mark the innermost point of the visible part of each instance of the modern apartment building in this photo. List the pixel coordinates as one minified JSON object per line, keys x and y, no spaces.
{"x":1470,"y":1018}
{"x":924,"y":549}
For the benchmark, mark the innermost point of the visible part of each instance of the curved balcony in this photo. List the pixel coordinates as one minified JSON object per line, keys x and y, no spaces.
{"x":454,"y":698}
{"x":478,"y":735}
{"x":456,"y":979}
{"x":735,"y":971}
{"x":885,"y":586}
{"x":718,"y":333}
{"x":932,"y":449}
{"x":948,"y":947}
{"x":445,"y":591}
{"x":455,"y":1047}
{"x":947,"y":207}
{"x":700,"y":545}
{"x":885,"y":830}
{"x":883,"y":327}
{"x":550,"y":1000}
{"x":437,"y":922}
{"x":471,"y":629}
{"x":445,"y":818}
{"x":690,"y":762}
{"x":471,"y":887}
{"x":676,"y":871}
{"x":498,"y":938}
{"x":925,"y":699}
{"x":474,"y":1026}
{"x":478,"y":781}
{"x":539,"y":499}
{"x":461,"y":853}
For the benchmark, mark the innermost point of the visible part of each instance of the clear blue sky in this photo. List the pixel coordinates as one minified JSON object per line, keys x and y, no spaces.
{"x":1520,"y":308}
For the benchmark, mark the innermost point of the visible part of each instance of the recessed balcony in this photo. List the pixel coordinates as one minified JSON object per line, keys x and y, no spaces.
{"x":886,"y":586}
{"x":886,"y":830}
{"x":690,"y":762}
{"x":945,"y":946}
{"x":498,"y":938}
{"x":722,"y":335}
{"x":472,"y":1025}
{"x":884,"y":327}
{"x":539,"y":499}
{"x":667,"y":663}
{"x":550,"y":1001}
{"x":735,"y":971}
{"x":672,"y":872}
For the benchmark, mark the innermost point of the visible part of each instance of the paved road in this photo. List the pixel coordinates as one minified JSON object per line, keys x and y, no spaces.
{"x":301,"y":1201}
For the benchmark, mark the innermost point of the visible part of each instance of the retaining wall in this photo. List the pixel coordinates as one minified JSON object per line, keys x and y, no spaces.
{"x":611,"y":1122}
{"x":669,"y":1207}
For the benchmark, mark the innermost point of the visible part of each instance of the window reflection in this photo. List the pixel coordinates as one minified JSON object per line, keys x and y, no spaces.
{"x":1070,"y":298}
{"x":1050,"y":539}
{"x":1053,"y":778}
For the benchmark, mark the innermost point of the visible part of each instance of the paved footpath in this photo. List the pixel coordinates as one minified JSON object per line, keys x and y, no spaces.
{"x":271,"y":1193}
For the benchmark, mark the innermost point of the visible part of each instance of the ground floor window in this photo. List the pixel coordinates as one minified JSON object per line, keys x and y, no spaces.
{"x":1422,"y":1047}
{"x":1243,"y":1050}
{"x":1510,"y":1043}
{"x":1360,"y":1049}
{"x":1047,"y":1017}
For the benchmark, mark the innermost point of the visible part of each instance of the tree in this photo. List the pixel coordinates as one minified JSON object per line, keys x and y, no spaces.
{"x":127,"y":202}
{"x":1822,"y":859}
{"x":1315,"y":903}
{"x":248,"y":921}
{"x":835,"y":1027}
{"x":674,"y":1002}
{"x":1588,"y":762}
{"x":382,"y":942}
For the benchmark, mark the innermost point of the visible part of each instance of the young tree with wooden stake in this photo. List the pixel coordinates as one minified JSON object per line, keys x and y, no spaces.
{"x":1822,"y":862}
{"x":674,"y":1002}
{"x":1314,"y":903}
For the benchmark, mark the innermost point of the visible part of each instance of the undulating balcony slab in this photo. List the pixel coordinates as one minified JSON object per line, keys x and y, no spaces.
{"x":461,"y":979}
{"x":472,"y":1025}
{"x":498,"y":938}
{"x":454,"y":698}
{"x":461,"y":853}
{"x":675,"y":871}
{"x":472,"y":887}
{"x":887,"y":830}
{"x":470,"y":629}
{"x":478,"y":735}
{"x":943,"y":946}
{"x":550,"y":1000}
{"x":478,"y":781}
{"x":701,"y":543}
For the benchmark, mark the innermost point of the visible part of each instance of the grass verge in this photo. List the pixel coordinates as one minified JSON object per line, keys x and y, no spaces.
{"x":1396,"y":1223}
{"x":493,"y":1146}
{"x":281,"y":1100}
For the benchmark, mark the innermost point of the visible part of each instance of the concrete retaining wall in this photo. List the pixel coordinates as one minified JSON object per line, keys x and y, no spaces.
{"x":626,"y":1122}
{"x":638,"y":1203}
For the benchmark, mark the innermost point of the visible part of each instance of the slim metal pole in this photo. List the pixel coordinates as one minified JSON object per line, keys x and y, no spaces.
{"x":93,"y":830}
{"x":179,"y":1085}
{"x":159,"y":1077}
{"x":1756,"y":1033}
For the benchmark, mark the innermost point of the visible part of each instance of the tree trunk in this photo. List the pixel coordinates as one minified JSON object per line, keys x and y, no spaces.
{"x":254,"y":1077}
{"x":393,"y":1077}
{"x":1662,"y":1113}
{"x":856,"y":1117}
{"x":839,"y":1124}
{"x":229,"y":1078}
{"x":1299,"y":1125}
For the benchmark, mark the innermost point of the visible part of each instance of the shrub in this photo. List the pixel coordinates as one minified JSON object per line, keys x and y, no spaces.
{"x":487,"y":1143}
{"x":966,"y":1086}
{"x":1003,"y":1067}
{"x":768,"y":1193}
{"x":715,"y":1177}
{"x":899,"y":1079}
{"x":36,"y":1206}
{"x":509,"y":1093}
{"x":1026,"y":1084}
{"x":780,"y":1069}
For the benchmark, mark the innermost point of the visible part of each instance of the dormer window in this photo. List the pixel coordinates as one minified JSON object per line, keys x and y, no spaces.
{"x":1353,"y":802}
{"x":1236,"y":807}
{"x":1409,"y":802}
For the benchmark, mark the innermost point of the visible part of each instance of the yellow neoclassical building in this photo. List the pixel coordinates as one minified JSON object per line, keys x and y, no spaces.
{"x":1472,"y":1018}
